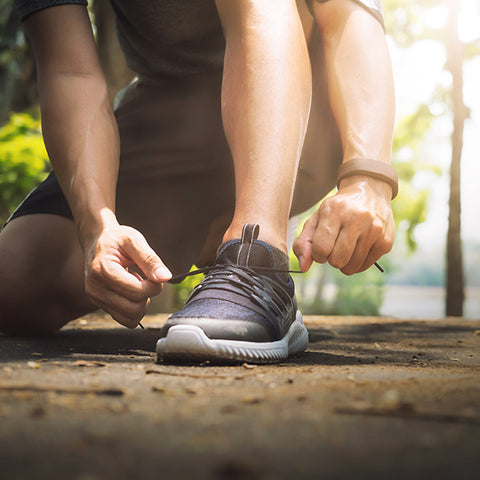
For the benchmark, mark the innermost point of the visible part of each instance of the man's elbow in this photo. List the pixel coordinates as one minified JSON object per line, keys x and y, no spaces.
{"x":333,"y":16}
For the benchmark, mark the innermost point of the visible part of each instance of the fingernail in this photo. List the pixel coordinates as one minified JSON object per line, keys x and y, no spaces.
{"x":162,"y":273}
{"x":300,"y":261}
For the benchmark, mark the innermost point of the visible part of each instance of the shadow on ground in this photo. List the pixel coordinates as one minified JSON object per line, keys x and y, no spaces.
{"x":339,"y":345}
{"x":371,"y":398}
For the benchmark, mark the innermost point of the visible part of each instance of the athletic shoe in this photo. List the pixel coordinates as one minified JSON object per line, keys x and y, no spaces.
{"x":244,"y":309}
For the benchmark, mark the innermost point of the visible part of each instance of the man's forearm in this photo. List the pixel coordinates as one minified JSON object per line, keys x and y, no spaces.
{"x":81,"y":136}
{"x":79,"y":129}
{"x":359,"y":77}
{"x":354,"y":228}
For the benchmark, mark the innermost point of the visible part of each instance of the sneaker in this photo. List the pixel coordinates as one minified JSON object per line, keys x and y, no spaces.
{"x":244,"y":309}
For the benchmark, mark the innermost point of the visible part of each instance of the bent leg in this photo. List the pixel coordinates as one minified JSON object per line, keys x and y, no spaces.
{"x":41,"y":275}
{"x":265,"y":105}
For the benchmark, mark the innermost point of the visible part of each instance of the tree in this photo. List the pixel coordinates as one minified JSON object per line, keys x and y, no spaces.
{"x":406,"y":32}
{"x":18,"y":90}
{"x":455,"y":276}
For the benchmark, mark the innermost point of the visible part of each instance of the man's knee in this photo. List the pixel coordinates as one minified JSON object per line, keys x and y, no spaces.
{"x":240,"y":16}
{"x":21,"y":313}
{"x":15,"y":323}
{"x":32,"y":306}
{"x":41,"y":284}
{"x":25,"y":306}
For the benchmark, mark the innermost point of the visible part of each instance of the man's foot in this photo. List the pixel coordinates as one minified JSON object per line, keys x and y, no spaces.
{"x":244,"y":310}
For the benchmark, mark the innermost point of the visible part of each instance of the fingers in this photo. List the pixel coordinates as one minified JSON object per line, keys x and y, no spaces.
{"x":138,"y":249}
{"x":109,"y":275}
{"x":343,"y":251}
{"x":302,"y":247}
{"x":383,"y":246}
{"x":350,"y":231}
{"x":123,"y":310}
{"x":123,"y":294}
{"x":357,"y":249}
{"x":326,"y":236}
{"x":317,"y":239}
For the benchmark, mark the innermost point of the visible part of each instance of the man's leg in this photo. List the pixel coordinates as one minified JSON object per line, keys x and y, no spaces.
{"x":41,"y":275}
{"x":265,"y":106}
{"x":245,"y":308}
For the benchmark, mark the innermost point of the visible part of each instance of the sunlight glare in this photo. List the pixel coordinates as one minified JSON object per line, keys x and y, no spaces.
{"x":469,"y":21}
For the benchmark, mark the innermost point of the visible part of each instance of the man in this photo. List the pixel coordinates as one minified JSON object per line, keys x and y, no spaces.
{"x":160,"y":166}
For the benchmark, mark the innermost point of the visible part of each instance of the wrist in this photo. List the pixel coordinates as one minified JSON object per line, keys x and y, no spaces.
{"x":90,"y":225}
{"x":93,"y":208}
{"x":365,"y":167}
{"x":379,"y":187}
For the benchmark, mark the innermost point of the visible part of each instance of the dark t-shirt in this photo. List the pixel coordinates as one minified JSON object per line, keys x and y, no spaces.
{"x":168,"y":37}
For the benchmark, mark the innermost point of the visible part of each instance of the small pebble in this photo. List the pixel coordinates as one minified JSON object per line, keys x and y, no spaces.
{"x":158,"y":389}
{"x":252,"y":400}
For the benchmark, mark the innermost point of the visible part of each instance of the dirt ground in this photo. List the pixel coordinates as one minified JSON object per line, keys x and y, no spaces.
{"x":372,"y":398}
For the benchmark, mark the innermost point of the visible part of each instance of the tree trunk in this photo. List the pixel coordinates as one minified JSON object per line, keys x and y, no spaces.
{"x":114,"y":66}
{"x":455,"y":275}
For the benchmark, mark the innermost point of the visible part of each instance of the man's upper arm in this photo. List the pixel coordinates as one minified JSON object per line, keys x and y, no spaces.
{"x":63,"y":40}
{"x":26,"y":7}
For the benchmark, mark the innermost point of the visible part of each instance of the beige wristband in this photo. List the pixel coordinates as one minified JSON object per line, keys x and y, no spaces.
{"x":371,"y":168}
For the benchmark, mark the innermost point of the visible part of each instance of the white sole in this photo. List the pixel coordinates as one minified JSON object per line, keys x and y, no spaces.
{"x":189,"y":342}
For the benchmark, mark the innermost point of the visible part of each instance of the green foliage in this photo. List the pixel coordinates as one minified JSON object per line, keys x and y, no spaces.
{"x":23,"y":160}
{"x":17,"y":70}
{"x":410,"y":212}
{"x":182,"y":290}
{"x":407,"y":23}
{"x":12,"y":39}
{"x":411,"y":206}
{"x":472,"y":49}
{"x":411,"y":129}
{"x":360,"y":294}
{"x":405,"y":20}
{"x":328,"y":291}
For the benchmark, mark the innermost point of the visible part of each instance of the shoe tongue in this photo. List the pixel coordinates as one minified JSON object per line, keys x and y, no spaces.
{"x":250,"y":252}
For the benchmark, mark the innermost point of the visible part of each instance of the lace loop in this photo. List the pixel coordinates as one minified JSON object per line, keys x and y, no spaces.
{"x":182,"y":276}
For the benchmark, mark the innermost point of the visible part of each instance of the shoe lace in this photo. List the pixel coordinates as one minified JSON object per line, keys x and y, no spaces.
{"x":208,"y":268}
{"x":266,"y":292}
{"x":252,"y":287}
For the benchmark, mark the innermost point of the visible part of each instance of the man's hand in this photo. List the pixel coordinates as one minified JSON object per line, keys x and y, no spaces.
{"x":123,"y":294}
{"x":350,"y":230}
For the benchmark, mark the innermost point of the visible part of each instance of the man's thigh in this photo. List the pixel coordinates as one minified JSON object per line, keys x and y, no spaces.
{"x":41,"y":274}
{"x":176,"y":172}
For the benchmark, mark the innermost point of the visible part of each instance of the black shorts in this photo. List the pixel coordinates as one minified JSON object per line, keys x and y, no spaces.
{"x":176,"y":171}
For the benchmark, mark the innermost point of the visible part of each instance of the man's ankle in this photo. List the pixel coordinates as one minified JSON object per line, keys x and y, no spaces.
{"x":267,"y":235}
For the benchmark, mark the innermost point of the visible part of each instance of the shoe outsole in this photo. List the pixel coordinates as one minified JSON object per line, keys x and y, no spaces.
{"x":190,"y":343}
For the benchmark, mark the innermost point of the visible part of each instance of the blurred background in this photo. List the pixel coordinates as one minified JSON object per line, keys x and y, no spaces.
{"x":434,"y":267}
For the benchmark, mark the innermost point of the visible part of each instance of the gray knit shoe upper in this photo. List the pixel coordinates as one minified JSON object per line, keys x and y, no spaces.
{"x":247,"y":297}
